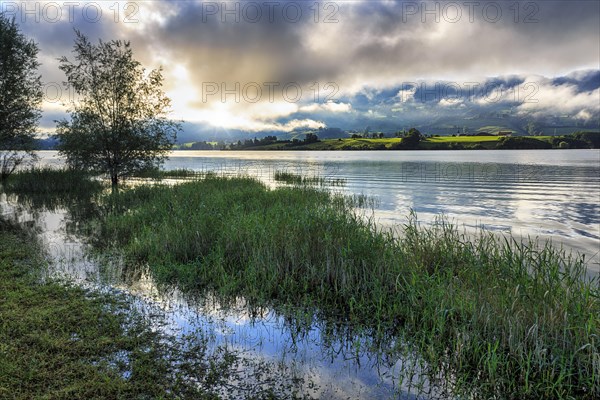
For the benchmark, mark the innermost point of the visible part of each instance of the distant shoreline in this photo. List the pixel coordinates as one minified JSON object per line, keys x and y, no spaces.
{"x":584,"y":140}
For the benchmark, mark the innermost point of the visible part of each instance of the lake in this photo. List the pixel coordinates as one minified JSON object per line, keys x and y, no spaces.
{"x":553,"y":194}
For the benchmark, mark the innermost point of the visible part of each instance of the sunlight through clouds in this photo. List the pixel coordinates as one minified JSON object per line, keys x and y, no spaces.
{"x":344,"y":58}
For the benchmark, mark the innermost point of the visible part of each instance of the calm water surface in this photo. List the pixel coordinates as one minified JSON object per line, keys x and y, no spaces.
{"x":547,"y":194}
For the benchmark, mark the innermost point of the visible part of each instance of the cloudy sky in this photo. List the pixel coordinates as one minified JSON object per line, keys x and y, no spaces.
{"x":279,"y":65}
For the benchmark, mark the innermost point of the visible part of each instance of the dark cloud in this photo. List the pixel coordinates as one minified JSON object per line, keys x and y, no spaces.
{"x":370,"y":49}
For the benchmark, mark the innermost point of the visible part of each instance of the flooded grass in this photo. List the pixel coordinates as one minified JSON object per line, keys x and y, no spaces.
{"x":61,"y":341}
{"x":492,"y":317}
{"x":486,"y":317}
{"x":116,"y":344}
{"x":51,"y":181}
{"x":180,"y":173}
{"x":298,"y":179}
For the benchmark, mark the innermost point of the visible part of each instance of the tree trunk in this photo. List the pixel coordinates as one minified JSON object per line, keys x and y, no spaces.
{"x":114,"y":178}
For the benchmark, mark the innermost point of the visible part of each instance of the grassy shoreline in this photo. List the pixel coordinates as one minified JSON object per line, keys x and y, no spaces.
{"x":506,"y":319}
{"x":61,"y":341}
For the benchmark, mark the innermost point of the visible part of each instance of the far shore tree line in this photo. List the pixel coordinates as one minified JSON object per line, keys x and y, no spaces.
{"x":119,"y":123}
{"x":411,"y":140}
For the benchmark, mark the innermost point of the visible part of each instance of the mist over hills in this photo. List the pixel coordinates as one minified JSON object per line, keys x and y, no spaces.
{"x":522,"y":104}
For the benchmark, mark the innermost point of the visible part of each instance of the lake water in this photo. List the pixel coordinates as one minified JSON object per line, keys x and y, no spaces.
{"x":551,"y":194}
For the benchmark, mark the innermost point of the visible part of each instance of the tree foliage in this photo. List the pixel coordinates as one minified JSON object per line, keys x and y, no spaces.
{"x":20,"y":97}
{"x":119,"y":122}
{"x":311,"y":138}
{"x":411,"y":139}
{"x":592,"y":138}
{"x":522,"y":143}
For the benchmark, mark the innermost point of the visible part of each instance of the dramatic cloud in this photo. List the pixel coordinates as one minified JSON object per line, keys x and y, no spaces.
{"x":328,"y":106}
{"x":253,"y":65}
{"x":562,"y":99}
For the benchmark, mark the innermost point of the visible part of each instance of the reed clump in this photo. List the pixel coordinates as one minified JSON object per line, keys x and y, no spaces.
{"x":51,"y":181}
{"x":299,"y":179}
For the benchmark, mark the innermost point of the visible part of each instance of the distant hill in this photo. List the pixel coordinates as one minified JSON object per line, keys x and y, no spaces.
{"x":46,"y":144}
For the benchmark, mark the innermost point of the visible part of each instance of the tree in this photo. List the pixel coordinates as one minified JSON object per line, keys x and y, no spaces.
{"x":411,"y":139}
{"x":592,"y":138}
{"x":20,"y":97}
{"x":311,"y":138}
{"x":119,"y":125}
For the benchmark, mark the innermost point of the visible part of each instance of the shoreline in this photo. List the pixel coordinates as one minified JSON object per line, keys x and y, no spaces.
{"x":582,"y":140}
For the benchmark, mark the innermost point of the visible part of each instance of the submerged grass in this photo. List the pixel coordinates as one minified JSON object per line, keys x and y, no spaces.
{"x":496,"y":318}
{"x":63,"y":342}
{"x":46,"y":180}
{"x":44,"y":188}
{"x":298,"y":179}
{"x":179,"y":173}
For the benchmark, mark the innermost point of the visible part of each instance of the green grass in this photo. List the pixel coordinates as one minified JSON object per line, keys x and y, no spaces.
{"x":463,"y":139}
{"x":50,"y":181}
{"x":495,"y":317}
{"x":297,"y":179}
{"x":179,"y":173}
{"x":50,"y":188}
{"x":63,"y":342}
{"x":334,"y":144}
{"x":377,"y":144}
{"x":65,"y":182}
